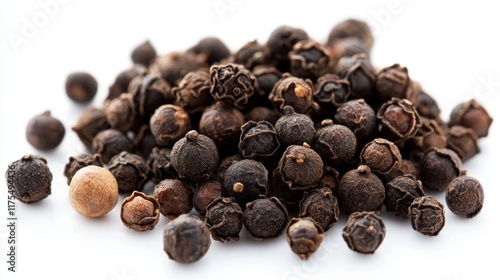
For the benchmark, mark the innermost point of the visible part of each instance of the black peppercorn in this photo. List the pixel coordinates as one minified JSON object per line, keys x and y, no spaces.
{"x":45,"y":132}
{"x":400,"y":193}
{"x":336,"y":144}
{"x":429,"y":135}
{"x":393,"y":81}
{"x":330,"y":179}
{"x":259,"y":113}
{"x":232,"y":84}
{"x":205,"y":194}
{"x":293,"y":128}
{"x":331,"y":91}
{"x":109,"y":143}
{"x":140,"y":212}
{"x":359,"y":117}
{"x":265,"y":218}
{"x":300,"y":167}
{"x":174,"y":66}
{"x":169,"y":124}
{"x":364,"y":232}
{"x":91,"y":122}
{"x":193,"y":92}
{"x":382,"y":156}
{"x":426,"y":215}
{"x":360,"y":190}
{"x":266,"y":76}
{"x":462,"y":141}
{"x":81,"y":87}
{"x":120,"y":112}
{"x":282,"y":40}
{"x":122,"y":81}
{"x":304,"y":236}
{"x":143,"y":54}
{"x":321,"y":206}
{"x":309,"y":59}
{"x":160,"y":165}
{"x":428,"y":107}
{"x":29,"y":179}
{"x":175,"y":198}
{"x":224,"y":165}
{"x":258,"y":140}
{"x":210,"y":50}
{"x":222,"y":123}
{"x":149,"y":92}
{"x":438,"y":168}
{"x":351,"y":28}
{"x":251,"y":54}
{"x":186,"y":239}
{"x":398,"y":120}
{"x":130,"y":171}
{"x":78,"y":162}
{"x":245,"y":180}
{"x":358,"y":70}
{"x":465,"y":196}
{"x":471,"y":115}
{"x":295,"y":92}
{"x":224,"y":218}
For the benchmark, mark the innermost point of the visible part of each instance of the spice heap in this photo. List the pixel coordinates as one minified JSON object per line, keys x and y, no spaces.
{"x":278,"y":138}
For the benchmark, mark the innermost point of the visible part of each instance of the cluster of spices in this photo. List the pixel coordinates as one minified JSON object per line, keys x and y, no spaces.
{"x":279,"y":138}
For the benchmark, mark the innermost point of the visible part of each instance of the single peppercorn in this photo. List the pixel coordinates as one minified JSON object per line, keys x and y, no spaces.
{"x":29,"y":179}
{"x":195,"y":156}
{"x":174,"y":66}
{"x":143,"y":54}
{"x":398,"y":120}
{"x":393,"y":81}
{"x":336,"y":144}
{"x":359,"y":117}
{"x":465,"y":196}
{"x":438,"y":168}
{"x":120,"y":112}
{"x":169,"y":124}
{"x":462,"y":141}
{"x":224,"y":164}
{"x":428,"y":107}
{"x":382,"y":156}
{"x":304,"y":236}
{"x":160,"y":165}
{"x":296,"y":92}
{"x":193,"y":92}
{"x":149,"y":93}
{"x":130,"y":171}
{"x":265,"y":218}
{"x":330,"y":179}
{"x":251,"y":54}
{"x":206,"y":193}
{"x":45,"y":132}
{"x":331,"y":91}
{"x":282,"y":40}
{"x":360,"y":190}
{"x":259,"y":113}
{"x":426,"y":215}
{"x":364,"y":232}
{"x":471,"y":115}
{"x":210,"y":50}
{"x":358,"y":70}
{"x":321,"y":206}
{"x":81,"y":87}
{"x":351,"y":28}
{"x":400,"y":193}
{"x":78,"y":162}
{"x":232,"y":84}
{"x":429,"y":135}
{"x":266,"y":76}
{"x":109,"y":143}
{"x":309,"y":59}
{"x":93,"y":191}
{"x":245,"y":180}
{"x":224,"y":218}
{"x":186,"y":239}
{"x":258,"y":140}
{"x":91,"y":122}
{"x":140,"y":212}
{"x":175,"y":198}
{"x":300,"y":167}
{"x":122,"y":81}
{"x":293,"y":128}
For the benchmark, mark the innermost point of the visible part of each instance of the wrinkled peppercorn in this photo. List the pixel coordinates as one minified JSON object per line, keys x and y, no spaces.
{"x":140,"y":212}
{"x":358,"y":70}
{"x":293,"y":128}
{"x":169,"y":124}
{"x":251,"y":54}
{"x":282,"y":40}
{"x":122,"y":81}
{"x":143,"y":54}
{"x":282,"y":191}
{"x":224,"y":218}
{"x":266,"y":76}
{"x":175,"y":198}
{"x":330,"y":179}
{"x":400,"y":193}
{"x":149,"y":93}
{"x":45,"y":132}
{"x":429,"y":135}
{"x":186,"y":239}
{"x":360,"y":190}
{"x":336,"y":144}
{"x":304,"y":236}
{"x":245,"y":180}
{"x":438,"y":168}
{"x":120,"y":112}
{"x":300,"y":167}
{"x":465,"y":196}
{"x":359,"y":117}
{"x":160,"y":165}
{"x":293,"y":91}
{"x":206,"y":193}
{"x":265,"y":218}
{"x":351,"y":28}
{"x":193,"y":92}
{"x":426,"y":215}
{"x":222,"y":123}
{"x":81,"y":87}
{"x":78,"y":162}
{"x":258,"y":140}
{"x":321,"y":206}
{"x":29,"y":179}
{"x":382,"y":156}
{"x":331,"y":91}
{"x":393,"y":81}
{"x":309,"y":59}
{"x":210,"y":50}
{"x":462,"y":141}
{"x":364,"y":232}
{"x":232,"y":84}
{"x":224,"y":165}
{"x":471,"y":115}
{"x":109,"y":143}
{"x":91,"y":122}
{"x":398,"y":120}
{"x":174,"y":66}
{"x":130,"y":171}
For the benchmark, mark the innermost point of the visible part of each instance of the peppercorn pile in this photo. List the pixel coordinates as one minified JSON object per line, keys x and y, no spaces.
{"x":278,"y":138}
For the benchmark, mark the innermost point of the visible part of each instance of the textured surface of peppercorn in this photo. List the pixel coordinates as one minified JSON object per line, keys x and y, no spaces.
{"x":465,"y":196}
{"x":160,"y":165}
{"x":205,"y":194}
{"x":224,"y":218}
{"x":321,"y":206}
{"x":382,"y":156}
{"x":358,"y":70}
{"x":122,"y":80}
{"x":78,"y":162}
{"x":359,"y":117}
{"x":149,"y":92}
{"x":193,"y":92}
{"x":130,"y":171}
{"x":140,"y":212}
{"x":265,"y":218}
{"x":175,"y":198}
{"x":331,"y":91}
{"x":304,"y":236}
{"x":121,"y":113}
{"x":296,"y":92}
{"x":169,"y":124}
{"x":471,"y":115}
{"x":400,"y":193}
{"x":91,"y":122}
{"x":398,"y":119}
{"x":438,"y":168}
{"x":29,"y":179}
{"x":81,"y":87}
{"x":364,"y":232}
{"x":258,"y":140}
{"x":336,"y":144}
{"x":109,"y":143}
{"x":293,"y":128}
{"x":360,"y":190}
{"x":232,"y":84}
{"x":300,"y":167}
{"x":462,"y":141}
{"x":426,"y":215}
{"x":45,"y":132}
{"x":309,"y":59}
{"x":245,"y":180}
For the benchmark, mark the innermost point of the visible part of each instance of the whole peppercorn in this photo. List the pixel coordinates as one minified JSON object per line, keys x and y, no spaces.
{"x":282,"y":40}
{"x":245,"y":180}
{"x":265,"y":218}
{"x":293,"y":128}
{"x":398,"y":120}
{"x":266,"y":76}
{"x":300,"y":167}
{"x":81,"y":87}
{"x":169,"y":124}
{"x":109,"y":143}
{"x":471,"y":115}
{"x":330,"y":179}
{"x":282,"y":191}
{"x":224,"y":164}
{"x":406,"y":167}
{"x":175,"y":198}
{"x":149,"y":92}
{"x":309,"y":59}
{"x":321,"y":206}
{"x":143,"y":54}
{"x":140,"y":212}
{"x":358,"y":70}
{"x":206,"y":193}
{"x":193,"y":92}
{"x":360,"y":190}
{"x":295,"y":92}
{"x":93,"y":191}
{"x":438,"y":168}
{"x":426,"y":215}
{"x":429,"y":135}
{"x":336,"y":144}
{"x":122,"y":81}
{"x":258,"y":140}
{"x":364,"y":232}
{"x":382,"y":156}
{"x":45,"y":132}
{"x":91,"y":122}
{"x":144,"y":141}
{"x":210,"y":50}
{"x":259,"y":113}
{"x":351,"y":28}
{"x":195,"y":156}
{"x":130,"y":171}
{"x":224,"y":218}
{"x":251,"y":54}
{"x":331,"y":91}
{"x":29,"y":179}
{"x":186,"y":239}
{"x":160,"y":165}
{"x":359,"y":117}
{"x":428,"y":107}
{"x":462,"y":141}
{"x":222,"y":123}
{"x":393,"y":81}
{"x":465,"y":196}
{"x":78,"y":162}
{"x":232,"y":84}
{"x":120,"y":112}
{"x":304,"y":236}
{"x":174,"y":66}
{"x":400,"y":193}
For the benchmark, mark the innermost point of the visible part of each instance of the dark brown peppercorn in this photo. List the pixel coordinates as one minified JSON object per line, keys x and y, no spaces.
{"x":438,"y":168}
{"x":429,"y":135}
{"x":426,"y":215}
{"x":265,"y":218}
{"x":109,"y":143}
{"x":91,"y":122}
{"x":331,"y":91}
{"x":382,"y":156}
{"x":462,"y":141}
{"x":174,"y":66}
{"x":360,"y":190}
{"x":351,"y":28}
{"x":428,"y":107}
{"x":406,"y":167}
{"x":224,"y":218}
{"x":296,"y":92}
{"x":282,"y":40}
{"x":193,"y":92}
{"x":122,"y":81}
{"x":359,"y":117}
{"x":140,"y":212}
{"x":120,"y":112}
{"x":232,"y":84}
{"x":393,"y":81}
{"x":160,"y":166}
{"x":260,"y":113}
{"x":169,"y":124}
{"x":78,"y":162}
{"x":143,"y":54}
{"x":45,"y":132}
{"x":175,"y":198}
{"x":195,"y":156}
{"x":364,"y":232}
{"x":149,"y":92}
{"x":465,"y":196}
{"x":336,"y":144}
{"x":304,"y":236}
{"x":471,"y":115}
{"x":206,"y":192}
{"x":245,"y":180}
{"x":398,"y":120}
{"x":130,"y":171}
{"x":186,"y":239}
{"x":258,"y":140}
{"x":29,"y":179}
{"x":294,"y":129}
{"x":309,"y":59}
{"x":222,"y":123}
{"x":210,"y":50}
{"x":358,"y":70}
{"x":330,"y":179}
{"x":300,"y":167}
{"x":266,"y":77}
{"x":400,"y":193}
{"x":321,"y":206}
{"x":225,"y":164}
{"x":251,"y":54}
{"x":81,"y":87}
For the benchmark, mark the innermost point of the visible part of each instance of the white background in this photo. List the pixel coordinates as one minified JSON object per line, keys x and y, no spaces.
{"x":452,"y":48}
